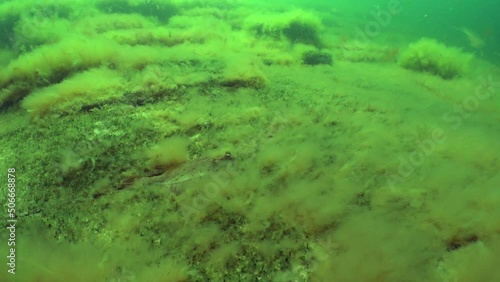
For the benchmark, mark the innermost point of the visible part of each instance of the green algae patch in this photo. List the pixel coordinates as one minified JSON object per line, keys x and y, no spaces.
{"x":160,"y":144}
{"x":90,"y":87}
{"x":429,"y":55}
{"x":297,"y":26}
{"x":168,"y":154}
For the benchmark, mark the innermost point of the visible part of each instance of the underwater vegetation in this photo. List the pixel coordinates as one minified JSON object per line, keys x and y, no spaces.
{"x":429,"y":55}
{"x":194,"y":140}
{"x":298,"y":26}
{"x":317,"y":58}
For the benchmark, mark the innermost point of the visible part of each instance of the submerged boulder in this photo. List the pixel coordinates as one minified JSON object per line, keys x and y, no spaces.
{"x":317,"y":58}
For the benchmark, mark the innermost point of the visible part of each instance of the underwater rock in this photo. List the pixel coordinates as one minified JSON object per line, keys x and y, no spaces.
{"x":429,"y":55}
{"x":296,"y":26}
{"x":317,"y":58}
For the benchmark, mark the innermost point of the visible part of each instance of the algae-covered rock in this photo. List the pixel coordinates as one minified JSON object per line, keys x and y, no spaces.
{"x":317,"y":58}
{"x":429,"y":55}
{"x":296,"y":26}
